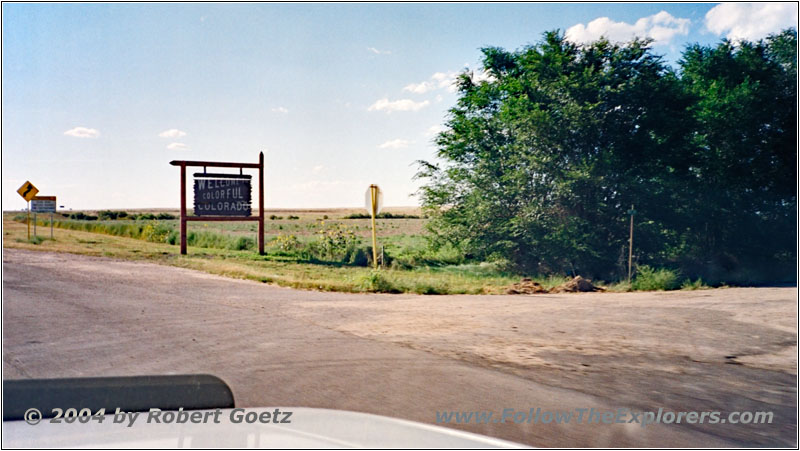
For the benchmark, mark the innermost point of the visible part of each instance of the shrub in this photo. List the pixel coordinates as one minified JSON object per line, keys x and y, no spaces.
{"x":377,"y":282}
{"x":156,"y":233}
{"x":649,"y":279}
{"x":243,"y":243}
{"x":82,"y":216}
{"x":173,"y":237}
{"x":335,"y":243}
{"x":286,"y":243}
{"x":696,"y":285}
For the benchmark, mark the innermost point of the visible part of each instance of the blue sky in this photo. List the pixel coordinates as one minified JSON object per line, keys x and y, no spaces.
{"x":98,"y":98}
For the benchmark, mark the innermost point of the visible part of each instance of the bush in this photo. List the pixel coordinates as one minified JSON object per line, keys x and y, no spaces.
{"x":173,"y":237}
{"x":286,"y":243}
{"x":243,"y":243}
{"x":82,"y":216}
{"x":155,"y":233}
{"x":696,"y":285}
{"x":334,"y":243}
{"x":377,"y":282}
{"x":649,"y":279}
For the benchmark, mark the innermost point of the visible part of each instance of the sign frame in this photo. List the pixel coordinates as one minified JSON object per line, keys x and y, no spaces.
{"x":218,"y":164}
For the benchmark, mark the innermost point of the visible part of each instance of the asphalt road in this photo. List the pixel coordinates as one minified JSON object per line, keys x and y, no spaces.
{"x":410,"y":356}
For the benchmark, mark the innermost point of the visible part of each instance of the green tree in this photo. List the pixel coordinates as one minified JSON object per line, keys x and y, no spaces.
{"x":540,"y":162}
{"x":745,"y":140}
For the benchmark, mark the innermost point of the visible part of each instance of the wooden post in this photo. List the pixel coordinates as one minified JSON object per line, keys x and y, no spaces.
{"x":261,"y":203}
{"x":29,"y":220}
{"x":34,"y":224}
{"x":51,"y":225}
{"x":630,"y":247}
{"x":373,"y":191}
{"x":183,"y":209}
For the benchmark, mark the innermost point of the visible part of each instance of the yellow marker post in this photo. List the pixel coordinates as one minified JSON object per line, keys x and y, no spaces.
{"x":28,"y":192}
{"x":374,"y":201}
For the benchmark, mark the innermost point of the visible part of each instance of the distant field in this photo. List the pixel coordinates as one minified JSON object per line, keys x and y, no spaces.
{"x":277,"y":221}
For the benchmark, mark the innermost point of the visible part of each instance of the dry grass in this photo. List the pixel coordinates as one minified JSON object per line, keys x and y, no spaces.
{"x":247,"y":265}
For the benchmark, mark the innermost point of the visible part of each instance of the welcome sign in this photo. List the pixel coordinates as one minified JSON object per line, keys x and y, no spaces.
{"x":222,"y":195}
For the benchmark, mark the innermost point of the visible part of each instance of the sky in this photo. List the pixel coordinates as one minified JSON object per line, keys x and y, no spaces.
{"x":97,"y":99}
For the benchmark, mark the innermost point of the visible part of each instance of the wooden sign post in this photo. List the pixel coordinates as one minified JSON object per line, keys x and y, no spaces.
{"x":373,"y":202}
{"x":222,"y":197}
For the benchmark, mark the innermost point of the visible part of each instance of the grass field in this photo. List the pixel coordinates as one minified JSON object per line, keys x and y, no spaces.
{"x":321,"y":249}
{"x":281,"y":266}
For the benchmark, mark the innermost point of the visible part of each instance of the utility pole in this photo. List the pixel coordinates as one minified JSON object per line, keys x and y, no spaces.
{"x":630,"y":245}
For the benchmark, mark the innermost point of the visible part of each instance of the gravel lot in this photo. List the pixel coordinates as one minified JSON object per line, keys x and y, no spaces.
{"x":408,"y":356}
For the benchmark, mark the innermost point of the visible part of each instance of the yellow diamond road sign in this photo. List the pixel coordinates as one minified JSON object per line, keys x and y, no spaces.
{"x":27,"y":191}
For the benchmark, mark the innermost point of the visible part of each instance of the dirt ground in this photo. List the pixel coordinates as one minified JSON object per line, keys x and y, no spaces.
{"x":407,"y":356}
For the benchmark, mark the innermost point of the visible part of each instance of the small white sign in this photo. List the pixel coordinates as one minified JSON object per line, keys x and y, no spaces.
{"x":43,"y":205}
{"x":368,"y":199}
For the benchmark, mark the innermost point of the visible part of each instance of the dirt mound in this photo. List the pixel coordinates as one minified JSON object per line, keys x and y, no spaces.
{"x":576,"y":285}
{"x":527,"y":286}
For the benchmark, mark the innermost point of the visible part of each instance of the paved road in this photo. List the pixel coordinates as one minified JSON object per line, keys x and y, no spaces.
{"x":411,"y":356}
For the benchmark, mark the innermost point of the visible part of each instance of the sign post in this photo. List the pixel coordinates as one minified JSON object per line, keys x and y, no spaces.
{"x":374,"y":202}
{"x":222,"y":197}
{"x":28,"y":192}
{"x":43,"y":204}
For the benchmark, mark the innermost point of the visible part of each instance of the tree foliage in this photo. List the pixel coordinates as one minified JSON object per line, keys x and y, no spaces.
{"x":540,"y":163}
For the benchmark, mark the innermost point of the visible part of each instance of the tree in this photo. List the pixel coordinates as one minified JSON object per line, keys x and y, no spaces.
{"x":745,"y":140}
{"x":540,"y":162}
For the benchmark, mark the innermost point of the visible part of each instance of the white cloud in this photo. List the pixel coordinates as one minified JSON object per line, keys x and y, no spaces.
{"x":280,"y":109}
{"x":177,"y":146}
{"x":434,"y":130}
{"x":750,"y":21}
{"x":82,"y":132}
{"x":436,"y":81}
{"x":172,"y":133}
{"x":661,"y":27}
{"x":395,"y":144}
{"x":397,"y":105}
{"x":379,"y":52}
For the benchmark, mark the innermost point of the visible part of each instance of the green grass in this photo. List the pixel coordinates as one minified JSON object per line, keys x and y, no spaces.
{"x":651,"y":279}
{"x":696,"y":285}
{"x":129,"y":241}
{"x":296,"y":258}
